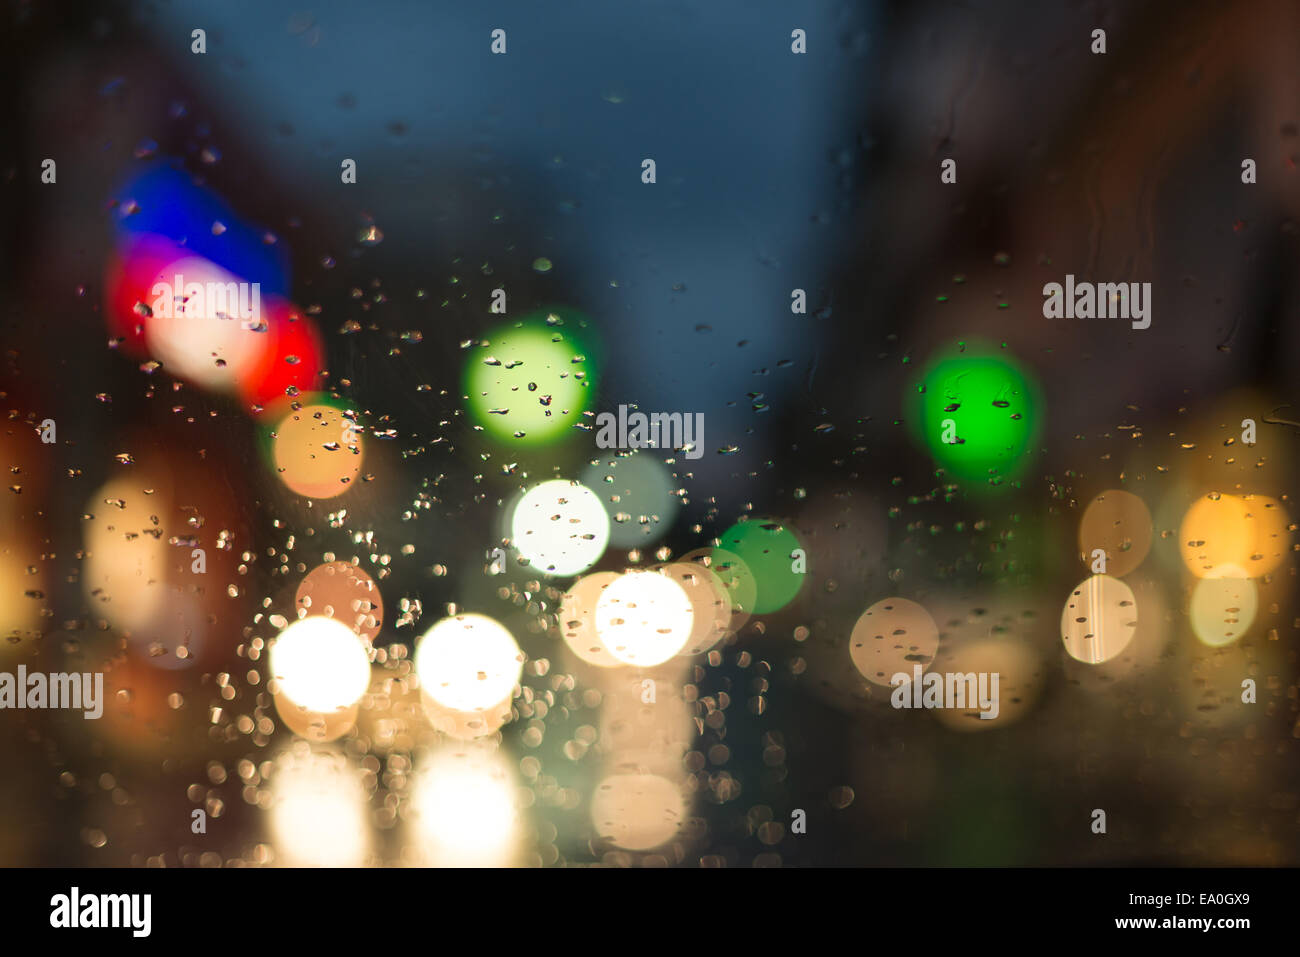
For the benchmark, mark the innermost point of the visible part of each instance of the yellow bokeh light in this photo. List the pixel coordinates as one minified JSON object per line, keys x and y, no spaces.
{"x":21,"y":600}
{"x":1215,"y":531}
{"x":1223,"y":605}
{"x":317,"y":451}
{"x":468,"y":663}
{"x":1271,"y":538}
{"x":644,"y":618}
{"x":320,"y":665}
{"x":1247,"y":531}
{"x":126,"y":571}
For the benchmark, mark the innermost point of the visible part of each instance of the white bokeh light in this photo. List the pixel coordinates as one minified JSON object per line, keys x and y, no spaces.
{"x":1099,"y":619}
{"x":577,"y":619}
{"x":637,"y":811}
{"x":468,"y":663}
{"x":320,"y":664}
{"x":644,"y":618}
{"x":466,"y":808}
{"x":560,"y":527}
{"x":319,"y":815}
{"x":199,"y":341}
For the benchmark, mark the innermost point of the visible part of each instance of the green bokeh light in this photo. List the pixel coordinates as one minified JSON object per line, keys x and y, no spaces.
{"x":991,"y":405}
{"x":528,"y":382}
{"x":768,"y":550}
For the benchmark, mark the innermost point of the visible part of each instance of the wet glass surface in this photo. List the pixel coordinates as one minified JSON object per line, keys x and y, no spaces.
{"x":700,"y":435}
